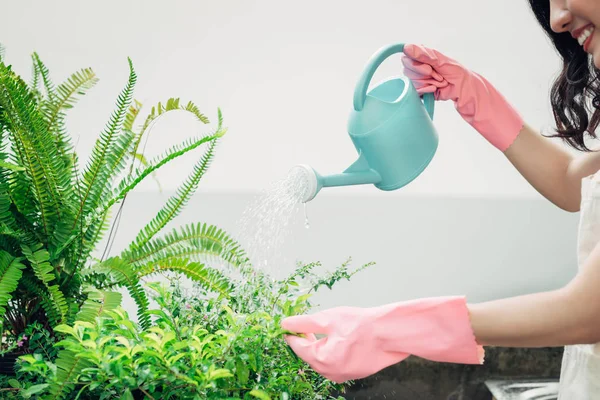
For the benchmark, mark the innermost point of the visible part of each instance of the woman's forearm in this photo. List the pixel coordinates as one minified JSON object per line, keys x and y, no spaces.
{"x":546,"y":166}
{"x":535,"y":320}
{"x":570,"y":315}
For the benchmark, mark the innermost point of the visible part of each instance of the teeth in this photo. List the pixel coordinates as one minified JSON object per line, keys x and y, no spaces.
{"x":586,"y":34}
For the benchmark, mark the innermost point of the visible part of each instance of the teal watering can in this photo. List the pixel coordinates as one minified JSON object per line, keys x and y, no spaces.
{"x":392,"y":130}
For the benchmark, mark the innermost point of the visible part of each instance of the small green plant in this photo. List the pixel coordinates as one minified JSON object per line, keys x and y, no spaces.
{"x":200,"y":346}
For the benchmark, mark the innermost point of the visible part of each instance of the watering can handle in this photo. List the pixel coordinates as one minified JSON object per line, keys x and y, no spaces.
{"x":360,"y":92}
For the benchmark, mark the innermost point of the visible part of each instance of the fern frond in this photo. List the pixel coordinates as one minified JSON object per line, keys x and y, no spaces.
{"x":34,"y":147}
{"x":45,"y":75}
{"x":11,"y":270}
{"x":117,"y":159}
{"x":69,"y":366}
{"x":209,"y":278}
{"x":32,"y":285}
{"x":97,"y":303}
{"x":2,"y":52}
{"x":38,"y":258}
{"x":198,"y":242}
{"x":176,"y":203}
{"x":159,"y":110}
{"x":132,"y":114}
{"x":123,"y":273}
{"x":129,"y":183}
{"x":172,"y":104}
{"x":98,"y":229}
{"x":66,"y":97}
{"x":96,"y":176}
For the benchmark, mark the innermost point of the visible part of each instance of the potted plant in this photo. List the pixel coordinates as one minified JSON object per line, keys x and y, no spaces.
{"x":54,"y":213}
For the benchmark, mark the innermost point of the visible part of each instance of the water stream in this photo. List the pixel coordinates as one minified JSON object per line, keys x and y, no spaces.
{"x":266,"y":223}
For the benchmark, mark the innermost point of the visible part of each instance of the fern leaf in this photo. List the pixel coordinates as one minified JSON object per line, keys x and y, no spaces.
{"x":132,"y":114}
{"x":198,"y":242}
{"x":209,"y":278}
{"x":123,"y":273}
{"x":69,"y":366}
{"x":32,"y":285}
{"x":34,"y":147}
{"x":159,"y":110}
{"x":10,"y":274}
{"x":97,"y":303}
{"x":38,"y":258}
{"x":116,"y":160}
{"x":177,"y":202}
{"x":45,"y":75}
{"x":129,"y":183}
{"x":2,"y":51}
{"x":11,"y":166}
{"x":66,"y":97}
{"x":96,"y":176}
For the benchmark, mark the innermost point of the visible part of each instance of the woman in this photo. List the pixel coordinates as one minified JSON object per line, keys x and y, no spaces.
{"x":362,"y":341}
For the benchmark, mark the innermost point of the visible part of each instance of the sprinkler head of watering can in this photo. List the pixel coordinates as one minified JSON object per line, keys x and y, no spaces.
{"x":312,"y":182}
{"x":309,"y":182}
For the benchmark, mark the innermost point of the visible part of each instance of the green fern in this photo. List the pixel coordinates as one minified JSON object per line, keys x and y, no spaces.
{"x":176,"y":203}
{"x":96,"y":176}
{"x":34,"y":148}
{"x":132,"y":114}
{"x":45,"y":75}
{"x":38,"y":258}
{"x":129,"y":183}
{"x":208,"y":278}
{"x":31,"y":285}
{"x":53,"y":214}
{"x":97,"y":303}
{"x":123,"y":274}
{"x":199,"y":242}
{"x":10,"y":274}
{"x":68,"y":367}
{"x":76,"y":85}
{"x":171,"y":104}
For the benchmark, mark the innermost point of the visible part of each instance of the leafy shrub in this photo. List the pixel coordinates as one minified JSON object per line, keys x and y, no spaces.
{"x":200,"y":346}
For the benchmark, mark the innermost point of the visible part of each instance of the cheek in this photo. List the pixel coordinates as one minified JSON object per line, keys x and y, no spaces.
{"x":585,"y":9}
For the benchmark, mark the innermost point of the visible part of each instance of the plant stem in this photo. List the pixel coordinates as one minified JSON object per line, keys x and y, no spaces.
{"x":146,"y":393}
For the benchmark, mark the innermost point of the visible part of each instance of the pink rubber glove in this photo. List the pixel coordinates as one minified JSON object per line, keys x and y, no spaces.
{"x":476,"y":100}
{"x":363,"y":341}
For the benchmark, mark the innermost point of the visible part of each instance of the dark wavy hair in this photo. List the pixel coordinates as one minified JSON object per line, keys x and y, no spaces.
{"x":575,"y":95}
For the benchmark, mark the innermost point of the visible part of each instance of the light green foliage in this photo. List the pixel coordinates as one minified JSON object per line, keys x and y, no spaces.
{"x":199,"y":346}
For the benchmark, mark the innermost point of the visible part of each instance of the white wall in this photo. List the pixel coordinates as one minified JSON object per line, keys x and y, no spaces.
{"x":283,"y":73}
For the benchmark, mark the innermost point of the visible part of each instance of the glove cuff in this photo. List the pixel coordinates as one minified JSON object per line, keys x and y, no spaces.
{"x":438,"y":329}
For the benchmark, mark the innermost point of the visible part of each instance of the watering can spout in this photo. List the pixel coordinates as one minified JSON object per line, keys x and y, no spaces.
{"x":358,"y":173}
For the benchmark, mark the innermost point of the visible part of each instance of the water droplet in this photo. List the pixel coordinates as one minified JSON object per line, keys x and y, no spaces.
{"x":306,"y":223}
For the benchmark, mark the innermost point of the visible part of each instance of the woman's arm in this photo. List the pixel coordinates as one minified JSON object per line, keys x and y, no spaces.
{"x":550,"y":169}
{"x":570,"y":315}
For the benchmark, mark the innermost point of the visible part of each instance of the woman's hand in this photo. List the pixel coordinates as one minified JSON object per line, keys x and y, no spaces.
{"x":476,"y":100}
{"x":550,"y":169}
{"x":363,"y":341}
